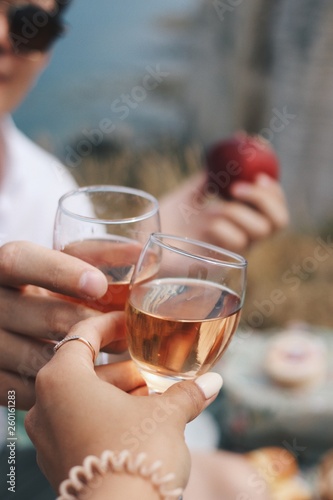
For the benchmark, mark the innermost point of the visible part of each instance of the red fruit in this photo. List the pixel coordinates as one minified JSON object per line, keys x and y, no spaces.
{"x":240,"y":158}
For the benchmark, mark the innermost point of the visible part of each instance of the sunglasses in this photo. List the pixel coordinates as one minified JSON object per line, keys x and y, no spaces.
{"x":32,"y":28}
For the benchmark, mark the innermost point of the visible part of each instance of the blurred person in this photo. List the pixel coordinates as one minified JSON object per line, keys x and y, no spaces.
{"x":31,"y":182}
{"x":231,"y":224}
{"x":31,"y":185}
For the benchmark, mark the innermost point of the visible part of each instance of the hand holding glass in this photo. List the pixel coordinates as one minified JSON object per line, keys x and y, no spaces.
{"x":183,"y":309}
{"x":107,"y":227}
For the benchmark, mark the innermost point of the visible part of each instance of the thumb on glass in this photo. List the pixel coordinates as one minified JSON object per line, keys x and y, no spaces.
{"x":193,"y":396}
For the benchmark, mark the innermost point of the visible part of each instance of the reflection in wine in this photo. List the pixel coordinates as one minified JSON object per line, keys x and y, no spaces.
{"x":180,"y":328}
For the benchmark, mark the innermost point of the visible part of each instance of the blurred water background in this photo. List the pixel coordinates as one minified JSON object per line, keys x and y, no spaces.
{"x":108,"y":50}
{"x":261,"y":65}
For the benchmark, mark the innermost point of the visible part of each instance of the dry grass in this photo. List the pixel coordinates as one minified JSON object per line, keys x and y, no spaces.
{"x":156,"y":170}
{"x":290,"y":280}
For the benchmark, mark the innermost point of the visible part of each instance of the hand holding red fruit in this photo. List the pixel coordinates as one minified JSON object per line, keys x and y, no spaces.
{"x":244,"y":170}
{"x":241,"y":157}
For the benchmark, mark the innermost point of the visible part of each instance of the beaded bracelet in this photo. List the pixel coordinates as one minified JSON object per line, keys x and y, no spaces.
{"x":82,"y":476}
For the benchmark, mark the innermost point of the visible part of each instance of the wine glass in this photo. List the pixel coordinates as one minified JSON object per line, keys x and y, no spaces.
{"x":107,"y":227}
{"x":183,"y":308}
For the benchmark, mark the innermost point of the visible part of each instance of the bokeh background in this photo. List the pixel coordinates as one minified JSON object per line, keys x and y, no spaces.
{"x":137,"y":90}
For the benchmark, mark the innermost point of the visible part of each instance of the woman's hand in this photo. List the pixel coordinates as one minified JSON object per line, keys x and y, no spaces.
{"x":77,"y":414}
{"x":256,"y":211}
{"x":31,"y":317}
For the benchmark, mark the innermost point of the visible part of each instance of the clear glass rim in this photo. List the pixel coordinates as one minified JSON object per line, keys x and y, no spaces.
{"x":111,"y":189}
{"x":238,"y":261}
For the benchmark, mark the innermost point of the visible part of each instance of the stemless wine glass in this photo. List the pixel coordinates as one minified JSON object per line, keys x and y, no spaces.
{"x":107,"y":226}
{"x":183,"y":308}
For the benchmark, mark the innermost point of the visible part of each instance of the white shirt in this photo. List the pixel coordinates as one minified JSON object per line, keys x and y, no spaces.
{"x":33,"y":182}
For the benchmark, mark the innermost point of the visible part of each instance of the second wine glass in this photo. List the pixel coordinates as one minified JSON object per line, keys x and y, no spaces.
{"x":107,"y":226}
{"x":183,"y":309}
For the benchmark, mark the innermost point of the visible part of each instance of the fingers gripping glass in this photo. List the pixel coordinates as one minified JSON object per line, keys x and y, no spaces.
{"x":31,"y":28}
